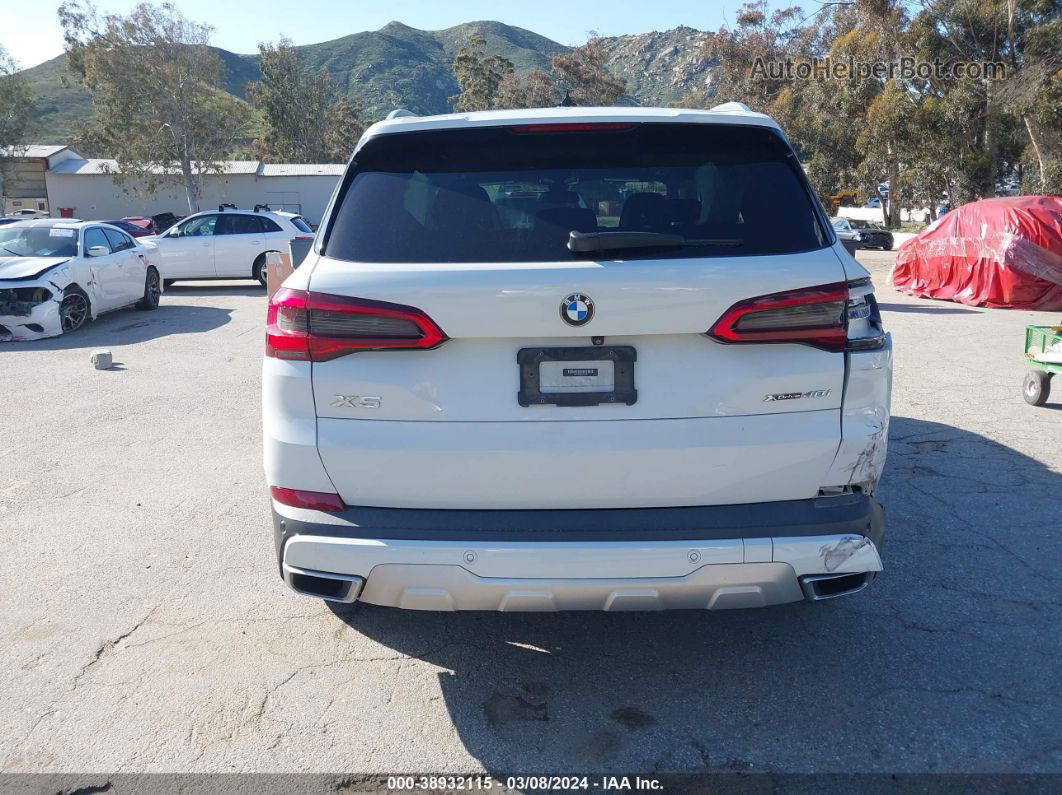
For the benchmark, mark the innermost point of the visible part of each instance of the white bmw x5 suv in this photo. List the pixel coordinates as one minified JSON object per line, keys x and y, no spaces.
{"x":576,"y":358}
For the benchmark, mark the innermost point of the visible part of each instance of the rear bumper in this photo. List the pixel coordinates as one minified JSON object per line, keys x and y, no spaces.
{"x":703,"y":558}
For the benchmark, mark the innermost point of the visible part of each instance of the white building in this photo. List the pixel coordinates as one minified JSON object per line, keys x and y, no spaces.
{"x":22,"y":175}
{"x":84,"y":188}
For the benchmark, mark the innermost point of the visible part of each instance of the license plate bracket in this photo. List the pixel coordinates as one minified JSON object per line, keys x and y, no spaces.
{"x":616,"y":361}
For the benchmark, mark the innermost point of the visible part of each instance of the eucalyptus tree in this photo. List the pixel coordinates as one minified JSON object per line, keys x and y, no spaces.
{"x":159,"y":107}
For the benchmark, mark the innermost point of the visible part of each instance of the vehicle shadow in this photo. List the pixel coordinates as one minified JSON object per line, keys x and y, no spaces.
{"x":129,"y":326}
{"x":249,"y":288}
{"x":929,"y":309}
{"x":943,"y":663}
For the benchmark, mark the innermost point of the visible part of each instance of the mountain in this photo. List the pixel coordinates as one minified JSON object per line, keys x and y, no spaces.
{"x":660,"y":67}
{"x":400,"y":66}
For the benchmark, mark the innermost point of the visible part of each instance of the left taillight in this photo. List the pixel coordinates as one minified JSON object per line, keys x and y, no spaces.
{"x":316,"y":327}
{"x":813,"y":316}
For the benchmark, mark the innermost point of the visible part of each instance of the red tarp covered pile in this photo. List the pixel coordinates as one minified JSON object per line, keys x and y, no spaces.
{"x":1003,"y":252}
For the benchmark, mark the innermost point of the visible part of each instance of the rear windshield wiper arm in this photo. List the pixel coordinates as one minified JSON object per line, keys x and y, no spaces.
{"x":581,"y":242}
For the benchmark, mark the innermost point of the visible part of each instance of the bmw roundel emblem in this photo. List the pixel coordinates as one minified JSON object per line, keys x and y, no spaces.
{"x":577,"y":309}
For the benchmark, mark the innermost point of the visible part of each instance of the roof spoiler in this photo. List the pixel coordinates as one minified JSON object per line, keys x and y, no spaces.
{"x":731,"y":107}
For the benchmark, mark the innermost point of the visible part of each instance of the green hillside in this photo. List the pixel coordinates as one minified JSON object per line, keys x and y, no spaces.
{"x":400,"y":66}
{"x":61,"y":103}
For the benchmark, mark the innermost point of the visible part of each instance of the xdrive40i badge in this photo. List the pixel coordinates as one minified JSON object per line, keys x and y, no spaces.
{"x":814,"y":393}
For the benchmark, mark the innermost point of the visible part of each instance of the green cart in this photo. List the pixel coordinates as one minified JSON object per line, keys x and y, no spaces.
{"x":1043,"y":354}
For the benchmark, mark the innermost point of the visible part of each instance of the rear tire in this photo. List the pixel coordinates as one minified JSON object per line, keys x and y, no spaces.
{"x":74,"y":309}
{"x":152,"y":291}
{"x":1036,"y":387}
{"x":258,"y":270}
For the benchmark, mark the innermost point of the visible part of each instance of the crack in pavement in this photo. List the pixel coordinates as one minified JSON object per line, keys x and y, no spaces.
{"x":25,"y":738}
{"x":955,"y":691}
{"x":108,"y":645}
{"x":259,"y":713}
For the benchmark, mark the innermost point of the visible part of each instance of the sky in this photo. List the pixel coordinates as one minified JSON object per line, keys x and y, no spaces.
{"x":32,"y":34}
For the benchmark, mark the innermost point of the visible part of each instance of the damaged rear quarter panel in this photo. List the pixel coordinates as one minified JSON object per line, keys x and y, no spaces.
{"x":864,"y":420}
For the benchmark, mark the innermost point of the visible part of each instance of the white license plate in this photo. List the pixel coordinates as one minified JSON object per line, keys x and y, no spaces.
{"x":557,"y":378}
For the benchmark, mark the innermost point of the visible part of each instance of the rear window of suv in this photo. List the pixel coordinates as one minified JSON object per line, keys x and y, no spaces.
{"x":512,"y":194}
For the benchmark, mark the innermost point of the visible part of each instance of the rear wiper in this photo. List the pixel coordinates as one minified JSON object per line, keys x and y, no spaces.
{"x":581,"y":242}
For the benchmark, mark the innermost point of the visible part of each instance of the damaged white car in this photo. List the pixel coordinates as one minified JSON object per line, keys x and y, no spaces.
{"x":56,"y":275}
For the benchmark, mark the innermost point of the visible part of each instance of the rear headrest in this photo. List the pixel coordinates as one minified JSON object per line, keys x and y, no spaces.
{"x":578,"y":218}
{"x":463,"y":207}
{"x":686,"y":211}
{"x":559,"y":196}
{"x":644,"y":212}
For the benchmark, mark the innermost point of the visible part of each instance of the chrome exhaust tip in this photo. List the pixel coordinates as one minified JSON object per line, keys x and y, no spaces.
{"x":817,"y":587}
{"x":322,"y":584}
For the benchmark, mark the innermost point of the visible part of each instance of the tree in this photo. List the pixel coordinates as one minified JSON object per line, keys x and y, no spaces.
{"x":995,"y":115}
{"x":955,"y":32}
{"x":16,"y":102}
{"x":16,"y":107}
{"x":1027,"y":36}
{"x":535,"y":91}
{"x":510,"y":93}
{"x":887,"y":104}
{"x":158,"y":105}
{"x":882,"y":144}
{"x":540,"y":89}
{"x":741,"y":54}
{"x":584,"y":72}
{"x":295,"y":105}
{"x":344,"y":127}
{"x":478,"y":76}
{"x":931,"y":135}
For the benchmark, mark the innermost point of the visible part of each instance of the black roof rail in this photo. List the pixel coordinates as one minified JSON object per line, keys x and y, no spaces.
{"x":223,"y":207}
{"x":262,"y":208}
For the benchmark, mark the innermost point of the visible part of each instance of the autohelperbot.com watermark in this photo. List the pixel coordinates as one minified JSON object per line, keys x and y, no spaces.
{"x":903,"y":68}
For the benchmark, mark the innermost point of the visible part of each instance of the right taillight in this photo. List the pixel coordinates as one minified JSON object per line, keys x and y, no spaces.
{"x":811,"y":316}
{"x":316,"y":327}
{"x":311,"y":500}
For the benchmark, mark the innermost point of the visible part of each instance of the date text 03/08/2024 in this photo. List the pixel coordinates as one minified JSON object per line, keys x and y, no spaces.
{"x":484,"y":782}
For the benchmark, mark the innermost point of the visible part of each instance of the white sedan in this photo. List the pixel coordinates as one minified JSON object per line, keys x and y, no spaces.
{"x":56,"y":275}
{"x":226,"y":244}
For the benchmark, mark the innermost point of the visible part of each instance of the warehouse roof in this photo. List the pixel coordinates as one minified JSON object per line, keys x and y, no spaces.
{"x":301,"y":169}
{"x":31,"y":150}
{"x":92,"y":166}
{"x":256,"y":167}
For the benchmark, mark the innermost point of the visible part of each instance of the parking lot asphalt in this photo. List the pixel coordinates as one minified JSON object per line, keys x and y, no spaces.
{"x":145,"y":628}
